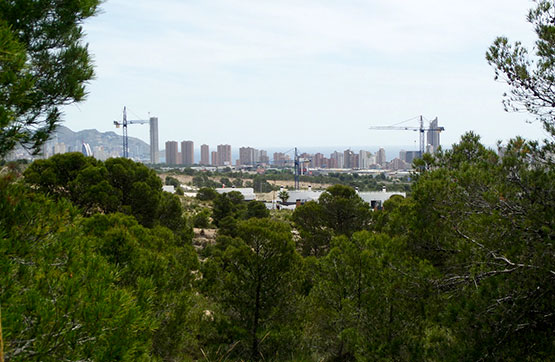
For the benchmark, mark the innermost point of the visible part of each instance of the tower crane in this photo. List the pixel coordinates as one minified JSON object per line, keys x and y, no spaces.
{"x":420,"y":129}
{"x":124,"y":123}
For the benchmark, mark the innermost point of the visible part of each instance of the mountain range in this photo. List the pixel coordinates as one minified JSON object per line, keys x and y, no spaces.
{"x":108,"y":142}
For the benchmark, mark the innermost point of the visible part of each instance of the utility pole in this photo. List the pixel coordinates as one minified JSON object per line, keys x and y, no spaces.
{"x":297,"y":170}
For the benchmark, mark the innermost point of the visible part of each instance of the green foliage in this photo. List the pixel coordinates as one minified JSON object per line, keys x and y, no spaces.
{"x":115,"y":185}
{"x":43,"y":65}
{"x":530,"y":77}
{"x":158,"y":268}
{"x":344,"y":211}
{"x":463,"y":269}
{"x":237,"y":182}
{"x":339,"y":211}
{"x":207,"y":194}
{"x":283,"y":196}
{"x":54,"y":175}
{"x":202,"y":219}
{"x":225,"y":182}
{"x":259,"y":184}
{"x":254,"y":278}
{"x":172,"y":181}
{"x":315,"y":233}
{"x":228,"y":204}
{"x":487,"y":223}
{"x":257,"y":209}
{"x":366,"y":301}
{"x":203,"y":181}
{"x":170,"y":215}
{"x":59,"y":298}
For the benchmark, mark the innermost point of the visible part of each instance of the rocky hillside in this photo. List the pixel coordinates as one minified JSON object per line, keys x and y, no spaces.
{"x":111,"y":142}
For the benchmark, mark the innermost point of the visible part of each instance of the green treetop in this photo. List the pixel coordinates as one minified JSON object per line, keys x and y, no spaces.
{"x":43,"y":65}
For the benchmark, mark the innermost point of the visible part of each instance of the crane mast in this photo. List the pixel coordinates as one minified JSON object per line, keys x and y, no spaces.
{"x":124,"y":124}
{"x":421,"y":129}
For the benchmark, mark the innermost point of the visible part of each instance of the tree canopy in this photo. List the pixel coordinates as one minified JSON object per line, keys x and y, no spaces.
{"x":44,"y":64}
{"x":530,"y":76}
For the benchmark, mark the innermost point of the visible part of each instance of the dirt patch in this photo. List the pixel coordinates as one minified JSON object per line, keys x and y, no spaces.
{"x":288,"y":184}
{"x":204,"y":237}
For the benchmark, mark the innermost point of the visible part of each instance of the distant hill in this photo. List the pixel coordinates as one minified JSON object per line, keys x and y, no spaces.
{"x":110,"y":142}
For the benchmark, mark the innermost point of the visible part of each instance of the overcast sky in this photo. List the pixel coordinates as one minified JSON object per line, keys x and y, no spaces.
{"x":300,"y":73}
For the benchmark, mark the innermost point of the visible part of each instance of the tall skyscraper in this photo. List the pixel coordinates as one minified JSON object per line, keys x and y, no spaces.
{"x":264,"y":159}
{"x":365,"y":159}
{"x":411,"y":155}
{"x":403,"y":155}
{"x":380,"y":157}
{"x":214,"y":157}
{"x":154,"y":148}
{"x":224,"y":155}
{"x":204,"y":155}
{"x":318,"y":160}
{"x":86,"y":149}
{"x":187,"y":153}
{"x":349,"y":159}
{"x":338,"y":158}
{"x":171,"y":152}
{"x":432,"y":136}
{"x":246,"y":156}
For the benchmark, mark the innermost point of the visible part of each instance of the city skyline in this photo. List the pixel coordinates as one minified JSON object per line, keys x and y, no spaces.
{"x":250,"y":72}
{"x":249,"y":156}
{"x":252,"y":157}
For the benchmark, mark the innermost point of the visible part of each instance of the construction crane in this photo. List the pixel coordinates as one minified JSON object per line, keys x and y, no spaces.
{"x":124,"y":123}
{"x":298,"y":168}
{"x":420,"y":129}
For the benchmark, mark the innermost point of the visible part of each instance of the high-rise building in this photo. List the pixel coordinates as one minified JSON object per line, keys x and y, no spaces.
{"x":171,"y":152}
{"x":224,"y":155}
{"x":380,"y":157}
{"x":264,"y":159}
{"x":349,"y":159}
{"x":366,"y":159}
{"x":204,"y":155}
{"x":397,"y":164}
{"x":187,"y":153}
{"x":403,"y":155}
{"x":86,"y":149}
{"x":246,"y":156}
{"x":214,"y":156}
{"x":339,"y":159}
{"x":281,"y":159}
{"x":432,"y":135}
{"x":154,"y":148}
{"x":411,"y":155}
{"x":318,"y":160}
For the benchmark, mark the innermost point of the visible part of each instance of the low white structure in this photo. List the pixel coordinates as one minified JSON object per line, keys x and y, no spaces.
{"x":169,"y":188}
{"x":302,"y":196}
{"x":374,"y":198}
{"x":377,"y":198}
{"x":247,"y":192}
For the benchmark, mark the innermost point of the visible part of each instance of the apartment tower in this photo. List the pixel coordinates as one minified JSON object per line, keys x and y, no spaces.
{"x":154,"y":148}
{"x":204,"y":155}
{"x":224,"y":155}
{"x":187,"y":153}
{"x":171,"y":152}
{"x":433,"y":136}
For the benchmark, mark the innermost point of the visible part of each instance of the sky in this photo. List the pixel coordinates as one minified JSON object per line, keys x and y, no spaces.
{"x":305,"y":73}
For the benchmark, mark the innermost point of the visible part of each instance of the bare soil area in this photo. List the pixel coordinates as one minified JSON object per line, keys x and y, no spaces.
{"x":289,"y":184}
